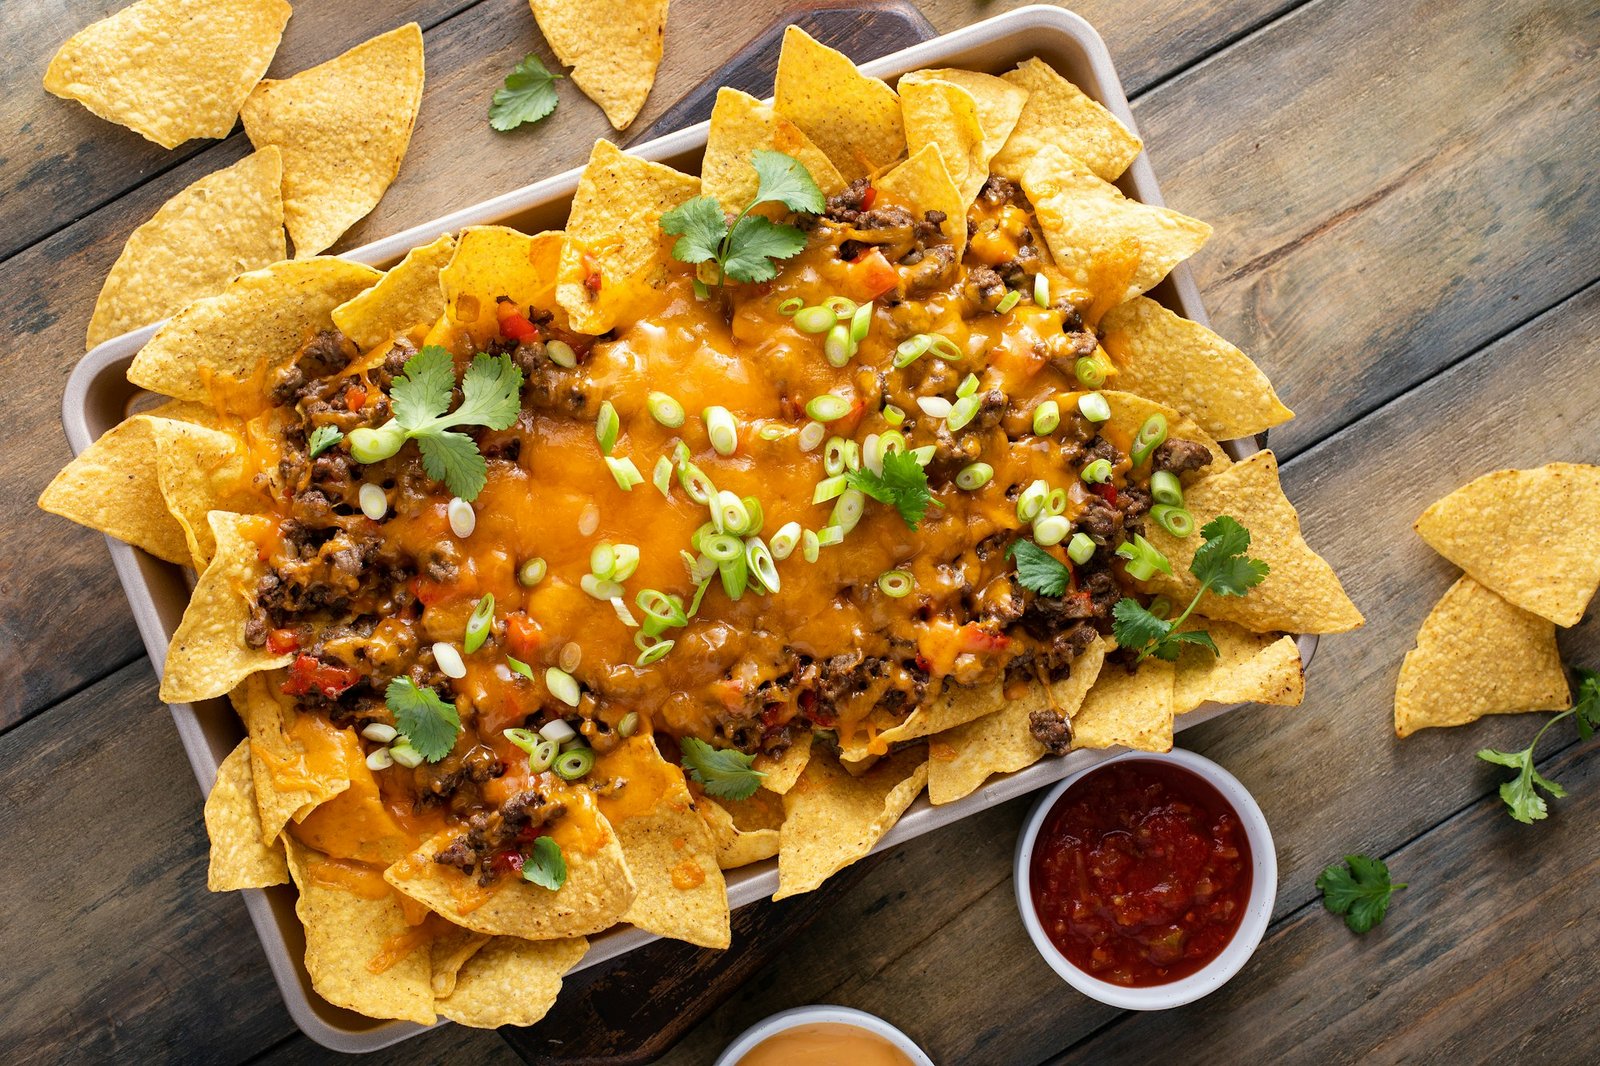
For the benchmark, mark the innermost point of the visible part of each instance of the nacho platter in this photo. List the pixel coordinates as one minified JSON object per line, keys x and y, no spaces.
{"x":98,"y":397}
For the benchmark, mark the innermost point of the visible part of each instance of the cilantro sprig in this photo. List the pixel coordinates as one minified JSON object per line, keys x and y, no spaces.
{"x":428,"y":721}
{"x":747,"y":249}
{"x":323,"y":438}
{"x":903,"y":483}
{"x":1359,"y":890}
{"x":545,"y":865}
{"x":1038,"y":570}
{"x":1221,"y":566}
{"x":529,"y":95}
{"x":722,"y":772}
{"x":1521,"y":793}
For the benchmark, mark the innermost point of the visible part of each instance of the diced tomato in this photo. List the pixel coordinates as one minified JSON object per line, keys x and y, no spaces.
{"x":283,"y":641}
{"x":523,"y":635}
{"x":1107,"y":492}
{"x":428,"y":592}
{"x":869,"y":197}
{"x":309,"y":674}
{"x":506,"y":862}
{"x":872,"y":275}
{"x":975,"y":638}
{"x":591,"y":273}
{"x":514,"y":325}
{"x":923,"y":664}
{"x":729,"y":691}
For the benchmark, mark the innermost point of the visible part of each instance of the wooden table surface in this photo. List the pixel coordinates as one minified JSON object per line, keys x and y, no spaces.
{"x":1406,"y":220}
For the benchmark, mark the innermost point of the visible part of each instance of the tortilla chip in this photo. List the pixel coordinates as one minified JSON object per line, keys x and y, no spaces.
{"x":1476,"y":654}
{"x":1249,"y":668}
{"x":782,"y":772}
{"x":408,"y":293}
{"x":208,"y":656}
{"x":1184,"y":365}
{"x":495,"y":261}
{"x":832,"y":818}
{"x":170,"y":70}
{"x":961,"y":759}
{"x":1300,"y":594}
{"x":345,"y":932}
{"x":854,"y":119}
{"x":449,"y":951}
{"x":343,"y":127}
{"x":922,"y":183}
{"x":1529,"y":535}
{"x":295,"y":758}
{"x":999,"y":105}
{"x":511,"y":982}
{"x":954,"y":705}
{"x":251,"y":327}
{"x":1130,"y":412}
{"x":612,"y":46}
{"x":355,"y":824}
{"x":239,"y":859}
{"x":745,"y":831}
{"x":1058,"y":114}
{"x":200,"y":470}
{"x":112,"y":487}
{"x":1087,"y":221}
{"x":616,"y":223}
{"x":1131,"y":710}
{"x":945,"y":115}
{"x":222,"y":225}
{"x":741,"y":125}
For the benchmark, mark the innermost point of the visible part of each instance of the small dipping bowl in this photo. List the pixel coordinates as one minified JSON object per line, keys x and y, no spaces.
{"x":1252,"y":925}
{"x":821,"y":1014}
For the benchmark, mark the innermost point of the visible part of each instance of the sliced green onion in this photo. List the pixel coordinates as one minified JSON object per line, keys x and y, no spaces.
{"x":653,"y":654}
{"x":1175,"y":520}
{"x":1151,"y":435}
{"x":871,"y":453}
{"x":759,"y":558}
{"x":374,"y":503}
{"x":758,"y":516}
{"x":1080,"y":549}
{"x":661,"y":476}
{"x":630,"y":722}
{"x":962,"y":412}
{"x":842,"y":306}
{"x":838,"y":348}
{"x":520,"y":667}
{"x":829,"y":535}
{"x":379,"y":732}
{"x":974,"y":476}
{"x":449,"y":660}
{"x":658,"y":605}
{"x":1143,"y":558}
{"x":369,"y":445}
{"x":861,"y":323}
{"x":531,"y":572}
{"x":1047,"y":416}
{"x":562,"y":685}
{"x":852,"y":455}
{"x":934,"y":406}
{"x":700,"y":591}
{"x":1161,"y":607}
{"x":895,"y":583}
{"x":561,"y":354}
{"x":1097,"y":472}
{"x":1031,"y":502}
{"x":599,"y":587}
{"x":731,"y":514}
{"x":968,"y":386}
{"x":722,"y":429}
{"x":811,"y":436}
{"x":1008,"y":301}
{"x":626,"y":561}
{"x":603,"y":559}
{"x":1166,"y":488}
{"x":810,"y":546}
{"x":1041,"y":289}
{"x":665,"y":410}
{"x":1050,"y":529}
{"x":891,"y":441}
{"x":606,"y":427}
{"x":721,"y":547}
{"x":478,"y":624}
{"x":623,"y":472}
{"x":573,"y":764}
{"x":558,"y":731}
{"x":380,"y":759}
{"x":526,"y":739}
{"x":695,"y":483}
{"x":911,"y":349}
{"x":814,"y":319}
{"x":1056,"y":502}
{"x":785,"y":539}
{"x":893,"y":415}
{"x":463,"y":519}
{"x":624,"y":615}
{"x":1094,"y":407}
{"x":406,"y":755}
{"x":827,"y":407}
{"x":680,"y":452}
{"x":833,"y":456}
{"x":829,"y":488}
{"x":942,"y":347}
{"x":790,"y":306}
{"x":735,"y":575}
{"x":773,"y":431}
{"x":848,"y":510}
{"x":924,"y":455}
{"x":1090,"y":372}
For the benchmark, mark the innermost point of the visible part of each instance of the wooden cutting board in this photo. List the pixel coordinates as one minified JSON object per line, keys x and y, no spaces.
{"x":633,"y":1010}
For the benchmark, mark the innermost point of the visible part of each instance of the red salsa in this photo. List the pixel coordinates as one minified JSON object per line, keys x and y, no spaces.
{"x":1141,"y":873}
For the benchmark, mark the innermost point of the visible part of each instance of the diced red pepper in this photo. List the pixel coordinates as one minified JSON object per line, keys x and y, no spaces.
{"x":523,"y":635}
{"x":506,"y":862}
{"x":1107,"y":492}
{"x":977,"y":639}
{"x":869,"y":197}
{"x":355,"y":398}
{"x":514,"y":325}
{"x":309,"y":674}
{"x":428,"y":592}
{"x":591,"y":273}
{"x":872,"y":275}
{"x":283,"y":641}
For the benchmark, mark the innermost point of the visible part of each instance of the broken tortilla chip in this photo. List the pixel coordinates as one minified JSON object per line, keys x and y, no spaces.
{"x":297,"y":760}
{"x":745,"y":831}
{"x":226,"y":223}
{"x":741,"y":125}
{"x":612,"y":46}
{"x":239,"y":859}
{"x":999,"y":106}
{"x":832,"y":818}
{"x":343,"y":128}
{"x":781,"y":773}
{"x":1529,"y":535}
{"x":1128,"y":710}
{"x":1184,"y":365}
{"x":952,"y":706}
{"x":408,"y":293}
{"x":449,"y":951}
{"x":200,"y":470}
{"x":1300,"y":594}
{"x":1476,"y":654}
{"x":511,"y":981}
{"x":170,"y":70}
{"x":112,"y":487}
{"x":1248,"y":668}
{"x":854,"y":119}
{"x":1060,"y":115}
{"x":945,"y":115}
{"x":491,"y":262}
{"x":922,"y":184}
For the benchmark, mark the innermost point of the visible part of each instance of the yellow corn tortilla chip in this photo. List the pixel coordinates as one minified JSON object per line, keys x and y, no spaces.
{"x":1184,"y":365}
{"x":170,"y":70}
{"x":112,"y":487}
{"x":222,"y":225}
{"x":745,"y":831}
{"x":511,"y":981}
{"x":408,"y":293}
{"x":945,"y":115}
{"x":1086,"y":220}
{"x":1300,"y":594}
{"x":1248,"y":668}
{"x":1529,"y":535}
{"x":1129,"y":412}
{"x":200,"y":470}
{"x":616,"y":223}
{"x":448,"y":953}
{"x":1476,"y":654}
{"x":239,"y":858}
{"x":208,"y":656}
{"x":1058,"y":114}
{"x":832,"y":818}
{"x":961,"y":759}
{"x":251,"y":327}
{"x":782,"y":772}
{"x":954,"y":705}
{"x":343,"y":127}
{"x":295,"y":759}
{"x":851,"y":117}
{"x":741,"y":125}
{"x":344,"y":933}
{"x":612,"y":46}
{"x":998,"y":101}
{"x":1131,"y":710}
{"x":922,"y":183}
{"x":495,"y":261}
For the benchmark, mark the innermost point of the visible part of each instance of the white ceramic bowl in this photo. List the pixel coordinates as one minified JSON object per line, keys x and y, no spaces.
{"x":1258,"y":911}
{"x":812,"y":1015}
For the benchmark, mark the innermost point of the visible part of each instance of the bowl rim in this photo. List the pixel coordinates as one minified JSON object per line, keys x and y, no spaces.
{"x":1252,"y":927}
{"x":815,"y":1013}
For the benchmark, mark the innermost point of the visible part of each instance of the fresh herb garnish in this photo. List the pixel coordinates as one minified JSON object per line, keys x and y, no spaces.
{"x":746,"y":250}
{"x":323,"y":438}
{"x":1521,"y":793}
{"x":429,"y":722}
{"x":723,"y":772}
{"x":544,"y":865}
{"x":1221,"y":566}
{"x":1038,"y":570}
{"x":903,"y":483}
{"x":529,"y":95}
{"x":1359,"y":890}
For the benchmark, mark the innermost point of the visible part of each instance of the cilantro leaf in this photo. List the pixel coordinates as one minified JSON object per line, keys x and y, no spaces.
{"x":1587,"y":708}
{"x":903,"y":483}
{"x":784,"y":179}
{"x":1136,"y":628}
{"x":1195,"y":636}
{"x":528,"y":96}
{"x":545,"y":865}
{"x":1037,"y":569}
{"x":422,"y":391}
{"x":491,"y":392}
{"x":455,"y":460}
{"x":723,"y":772}
{"x":429,"y":722}
{"x":700,"y":227}
{"x":1359,"y":890}
{"x":1220,"y":564}
{"x":756,"y":241}
{"x":323,"y":438}
{"x":1521,"y":793}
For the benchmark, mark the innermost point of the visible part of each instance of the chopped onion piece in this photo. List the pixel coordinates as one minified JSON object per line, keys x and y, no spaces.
{"x":606,"y":427}
{"x":811,"y":436}
{"x":827,"y":407}
{"x":380,"y":732}
{"x":895,"y":583}
{"x":531,"y":572}
{"x":1047,"y":416}
{"x":1080,"y":549}
{"x":558,"y":731}
{"x":974,"y":476}
{"x":934,"y":406}
{"x":1051,"y":529}
{"x":785,"y":539}
{"x":589,"y":520}
{"x":623,"y":472}
{"x":561,"y":354}
{"x":406,"y":755}
{"x":380,"y":759}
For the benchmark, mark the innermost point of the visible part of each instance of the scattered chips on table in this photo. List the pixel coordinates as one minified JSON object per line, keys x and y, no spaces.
{"x":853,"y":118}
{"x":612,"y":46}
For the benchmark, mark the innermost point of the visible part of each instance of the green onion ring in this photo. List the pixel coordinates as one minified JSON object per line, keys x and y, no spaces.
{"x":1046,"y":417}
{"x":1080,"y":549}
{"x":1097,"y":472}
{"x":531,"y":572}
{"x":895,"y":583}
{"x":827,"y":407}
{"x":1008,"y":301}
{"x":974,"y":476}
{"x":814,"y":320}
{"x":479,"y":623}
{"x":1151,"y":435}
{"x":722,"y":547}
{"x":606,"y":427}
{"x":790,"y":306}
{"x":759,"y":558}
{"x":1090,"y":372}
{"x":573,"y":764}
{"x":1166,"y":488}
{"x":833,"y":456}
{"x":1175,"y":520}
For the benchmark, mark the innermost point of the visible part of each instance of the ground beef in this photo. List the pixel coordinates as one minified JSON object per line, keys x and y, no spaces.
{"x":1051,"y":730}
{"x":491,"y":832}
{"x":1100,"y":520}
{"x":1046,"y":617}
{"x":933,"y":271}
{"x":1180,"y":456}
{"x":1064,"y":648}
{"x":998,"y":191}
{"x":1065,"y":350}
{"x":326,"y":353}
